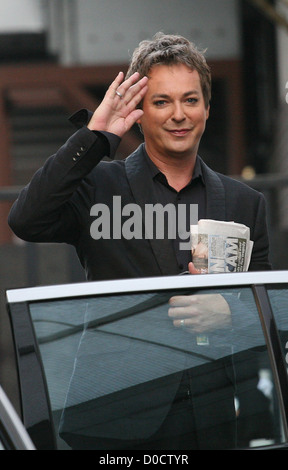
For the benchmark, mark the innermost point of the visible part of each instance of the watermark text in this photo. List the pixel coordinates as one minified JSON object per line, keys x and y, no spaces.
{"x":155,"y":221}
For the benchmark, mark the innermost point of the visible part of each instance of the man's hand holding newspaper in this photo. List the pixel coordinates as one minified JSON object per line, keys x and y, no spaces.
{"x":217,"y":247}
{"x":220,"y":247}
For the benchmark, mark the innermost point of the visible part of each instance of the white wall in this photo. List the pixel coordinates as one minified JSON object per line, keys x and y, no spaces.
{"x":109,"y":30}
{"x":105,"y":31}
{"x":21,"y":16}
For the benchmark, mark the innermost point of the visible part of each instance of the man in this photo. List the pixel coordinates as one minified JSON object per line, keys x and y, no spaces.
{"x":167,"y":92}
{"x":56,"y":205}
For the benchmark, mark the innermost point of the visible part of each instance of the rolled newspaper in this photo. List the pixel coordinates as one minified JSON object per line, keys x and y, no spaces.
{"x":220,"y":247}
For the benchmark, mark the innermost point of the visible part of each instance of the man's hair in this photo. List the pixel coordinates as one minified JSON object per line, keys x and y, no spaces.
{"x":170,"y":49}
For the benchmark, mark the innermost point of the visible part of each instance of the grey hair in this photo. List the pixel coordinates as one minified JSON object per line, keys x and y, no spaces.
{"x":169,"y":49}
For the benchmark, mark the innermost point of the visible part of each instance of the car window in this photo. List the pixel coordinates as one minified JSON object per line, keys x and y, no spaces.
{"x":279,"y":302}
{"x":117,"y":366}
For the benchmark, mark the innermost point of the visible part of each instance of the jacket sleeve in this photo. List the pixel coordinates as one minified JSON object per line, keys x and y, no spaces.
{"x":43,"y":211}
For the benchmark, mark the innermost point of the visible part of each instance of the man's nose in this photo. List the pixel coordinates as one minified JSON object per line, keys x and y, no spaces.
{"x":178,"y":112}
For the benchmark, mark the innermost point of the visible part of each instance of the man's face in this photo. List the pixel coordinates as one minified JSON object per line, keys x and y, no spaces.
{"x":174,"y":116}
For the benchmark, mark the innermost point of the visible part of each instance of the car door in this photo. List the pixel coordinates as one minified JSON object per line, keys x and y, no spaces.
{"x":102,"y":364}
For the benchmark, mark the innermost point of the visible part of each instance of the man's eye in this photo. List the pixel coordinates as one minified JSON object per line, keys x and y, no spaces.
{"x":159,"y":102}
{"x":192,"y":100}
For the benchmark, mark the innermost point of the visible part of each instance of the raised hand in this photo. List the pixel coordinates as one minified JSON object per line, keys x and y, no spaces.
{"x":118,"y":111}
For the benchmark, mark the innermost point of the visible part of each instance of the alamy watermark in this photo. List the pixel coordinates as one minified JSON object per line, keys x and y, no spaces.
{"x":155,"y":221}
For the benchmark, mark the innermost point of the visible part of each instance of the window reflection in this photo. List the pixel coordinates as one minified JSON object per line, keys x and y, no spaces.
{"x":122,"y":375}
{"x":279,"y":302}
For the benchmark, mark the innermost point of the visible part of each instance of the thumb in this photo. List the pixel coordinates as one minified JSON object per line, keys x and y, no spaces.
{"x":192,"y":269}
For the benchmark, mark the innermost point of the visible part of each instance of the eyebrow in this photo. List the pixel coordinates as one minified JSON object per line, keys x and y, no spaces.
{"x":163,"y":95}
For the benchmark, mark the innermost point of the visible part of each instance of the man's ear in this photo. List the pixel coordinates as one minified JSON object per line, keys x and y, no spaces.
{"x":208,"y":111}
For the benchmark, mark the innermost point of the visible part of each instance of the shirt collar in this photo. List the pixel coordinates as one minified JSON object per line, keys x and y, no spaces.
{"x":154,"y":171}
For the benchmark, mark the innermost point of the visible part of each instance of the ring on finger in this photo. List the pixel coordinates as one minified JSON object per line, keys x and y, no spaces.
{"x":119,"y":94}
{"x":182,"y":323}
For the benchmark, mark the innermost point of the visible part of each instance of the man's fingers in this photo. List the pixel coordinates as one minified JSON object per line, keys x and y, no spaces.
{"x":182,"y":300}
{"x":132,"y":92}
{"x":180,"y":312}
{"x":115,"y":85}
{"x":132,"y":85}
{"x":192,"y":269}
{"x":133,"y":117}
{"x":188,"y":323}
{"x":133,"y":82}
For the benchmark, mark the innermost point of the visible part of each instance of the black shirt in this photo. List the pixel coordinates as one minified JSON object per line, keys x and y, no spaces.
{"x":193,"y":193}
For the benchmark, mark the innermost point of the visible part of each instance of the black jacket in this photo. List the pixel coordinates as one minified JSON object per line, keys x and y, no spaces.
{"x":56,"y":205}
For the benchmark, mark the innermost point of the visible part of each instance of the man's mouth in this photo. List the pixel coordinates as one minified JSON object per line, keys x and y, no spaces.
{"x":179,"y":132}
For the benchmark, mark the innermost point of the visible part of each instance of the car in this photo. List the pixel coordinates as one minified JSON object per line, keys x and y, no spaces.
{"x":13,"y":435}
{"x":98,"y":360}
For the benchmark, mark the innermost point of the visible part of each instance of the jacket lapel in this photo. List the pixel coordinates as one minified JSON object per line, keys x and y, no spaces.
{"x":143,"y":193}
{"x":215,"y":194}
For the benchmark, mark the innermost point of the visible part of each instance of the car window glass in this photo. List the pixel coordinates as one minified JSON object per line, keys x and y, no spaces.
{"x":279,"y":302}
{"x":117,"y":368}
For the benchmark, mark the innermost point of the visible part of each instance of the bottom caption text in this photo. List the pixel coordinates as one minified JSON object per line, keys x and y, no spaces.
{"x":144,"y":459}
